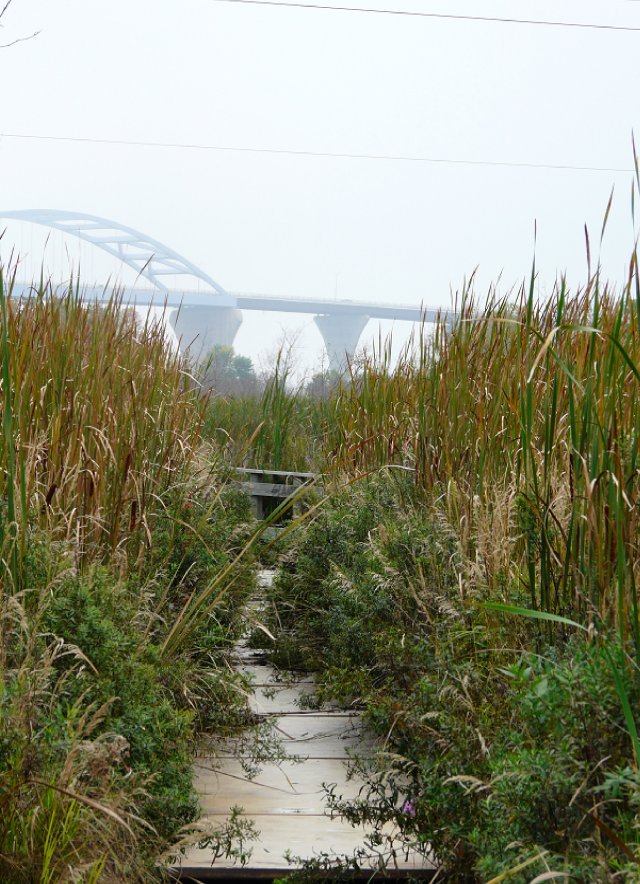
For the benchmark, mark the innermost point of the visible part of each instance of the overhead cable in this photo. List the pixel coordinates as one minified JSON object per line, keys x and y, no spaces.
{"x":342,"y":155}
{"x":293,"y":4}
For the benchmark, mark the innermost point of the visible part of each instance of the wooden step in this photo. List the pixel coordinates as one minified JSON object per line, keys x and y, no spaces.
{"x":307,"y":837}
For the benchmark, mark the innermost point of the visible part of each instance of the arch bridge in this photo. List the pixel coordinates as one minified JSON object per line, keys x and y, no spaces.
{"x":206,"y":314}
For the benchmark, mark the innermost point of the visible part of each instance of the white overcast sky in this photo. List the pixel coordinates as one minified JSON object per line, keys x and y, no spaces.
{"x":197,"y":71}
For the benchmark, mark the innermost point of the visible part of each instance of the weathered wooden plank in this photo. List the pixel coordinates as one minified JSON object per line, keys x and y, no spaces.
{"x":308,"y":735}
{"x":279,"y":699}
{"x":261,"y":675}
{"x":308,"y":836}
{"x":269,"y":489}
{"x":328,"y":735}
{"x":248,"y":471}
{"x":286,"y":788}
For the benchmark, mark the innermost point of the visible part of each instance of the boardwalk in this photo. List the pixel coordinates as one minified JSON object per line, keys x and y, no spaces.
{"x":287,"y":800}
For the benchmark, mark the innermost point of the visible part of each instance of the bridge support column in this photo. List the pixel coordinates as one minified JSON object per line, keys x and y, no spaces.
{"x":200,"y":329}
{"x":340,"y":334}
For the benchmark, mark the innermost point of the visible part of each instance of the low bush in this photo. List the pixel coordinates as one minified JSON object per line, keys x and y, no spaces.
{"x":505,"y":738}
{"x":92,"y":709}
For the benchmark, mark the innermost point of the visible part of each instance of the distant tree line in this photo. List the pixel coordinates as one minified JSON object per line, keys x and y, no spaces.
{"x":229,"y":374}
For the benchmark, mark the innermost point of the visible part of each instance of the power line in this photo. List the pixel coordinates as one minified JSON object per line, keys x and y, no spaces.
{"x":399,"y":158}
{"x":292,"y":4}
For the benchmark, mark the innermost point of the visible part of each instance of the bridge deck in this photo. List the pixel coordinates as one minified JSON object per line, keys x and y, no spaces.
{"x":187,"y":298}
{"x":152,"y":260}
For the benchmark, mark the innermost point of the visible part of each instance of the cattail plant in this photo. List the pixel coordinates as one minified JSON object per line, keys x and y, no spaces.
{"x":100,"y":418}
{"x":539,"y":399}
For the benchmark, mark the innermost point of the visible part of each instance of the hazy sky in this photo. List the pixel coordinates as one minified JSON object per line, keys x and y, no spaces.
{"x":211,"y":73}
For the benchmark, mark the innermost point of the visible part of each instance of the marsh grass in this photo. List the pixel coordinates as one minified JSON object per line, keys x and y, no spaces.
{"x":523,"y":418}
{"x":474,"y":589}
{"x":103,"y":420}
{"x":279,"y":426}
{"x":113,"y":510}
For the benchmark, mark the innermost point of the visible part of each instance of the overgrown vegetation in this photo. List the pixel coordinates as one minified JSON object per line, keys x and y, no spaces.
{"x":279,"y":424}
{"x":470,"y":583}
{"x":123,"y":576}
{"x":501,"y":743}
{"x":478,"y":598}
{"x":228,"y":373}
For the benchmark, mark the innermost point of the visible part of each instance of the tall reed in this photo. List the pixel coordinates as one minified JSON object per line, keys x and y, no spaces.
{"x":100,"y":416}
{"x":278,"y":426}
{"x":524,"y":414}
{"x":110,"y":501}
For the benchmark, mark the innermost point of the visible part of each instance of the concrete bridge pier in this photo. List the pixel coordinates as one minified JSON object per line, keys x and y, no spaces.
{"x":340,"y":334}
{"x":200,"y":329}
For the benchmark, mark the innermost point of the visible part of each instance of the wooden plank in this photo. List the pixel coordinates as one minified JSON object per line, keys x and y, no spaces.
{"x":261,"y":675}
{"x":269,"y":489}
{"x":247,"y":471}
{"x":308,"y":735}
{"x":307,"y":836}
{"x":285,"y":788}
{"x":278,"y":699}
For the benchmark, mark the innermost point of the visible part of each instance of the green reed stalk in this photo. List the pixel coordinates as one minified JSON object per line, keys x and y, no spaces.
{"x":9,"y":537}
{"x":539,"y":402}
{"x":99,"y":417}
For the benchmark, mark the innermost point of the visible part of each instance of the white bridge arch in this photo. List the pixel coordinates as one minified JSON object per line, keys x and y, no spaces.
{"x":208,"y":314}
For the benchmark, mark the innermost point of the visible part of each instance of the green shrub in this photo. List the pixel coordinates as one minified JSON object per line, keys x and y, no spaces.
{"x":98,"y":615}
{"x":502,"y":754}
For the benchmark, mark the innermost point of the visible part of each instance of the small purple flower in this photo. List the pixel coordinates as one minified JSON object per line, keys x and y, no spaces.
{"x":409,"y":808}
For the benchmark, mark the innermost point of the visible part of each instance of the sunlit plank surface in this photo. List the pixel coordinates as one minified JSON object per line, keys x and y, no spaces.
{"x":287,"y":801}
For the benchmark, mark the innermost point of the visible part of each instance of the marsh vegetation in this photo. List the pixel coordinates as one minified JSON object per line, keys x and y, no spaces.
{"x":469,"y":582}
{"x":116,"y":523}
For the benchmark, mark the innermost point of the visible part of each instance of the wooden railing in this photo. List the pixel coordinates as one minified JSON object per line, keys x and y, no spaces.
{"x":270,"y":488}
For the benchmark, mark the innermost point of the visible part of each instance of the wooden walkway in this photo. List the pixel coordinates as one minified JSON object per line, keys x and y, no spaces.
{"x":287,"y":800}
